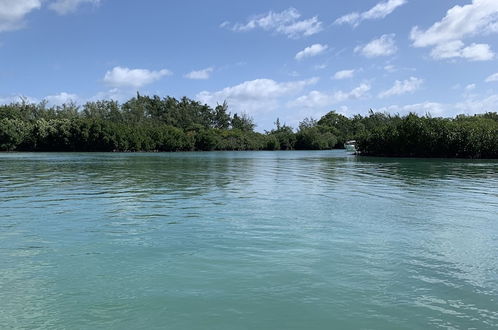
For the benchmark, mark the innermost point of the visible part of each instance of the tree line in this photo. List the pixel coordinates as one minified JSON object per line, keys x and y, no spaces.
{"x":152,"y":123}
{"x":424,"y":136}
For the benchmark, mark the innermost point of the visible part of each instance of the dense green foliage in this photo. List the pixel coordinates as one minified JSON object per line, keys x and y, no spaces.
{"x":414,"y":136}
{"x":141,"y":124}
{"x":166,"y":124}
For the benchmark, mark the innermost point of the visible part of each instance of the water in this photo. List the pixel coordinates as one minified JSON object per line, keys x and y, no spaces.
{"x":249,"y":240}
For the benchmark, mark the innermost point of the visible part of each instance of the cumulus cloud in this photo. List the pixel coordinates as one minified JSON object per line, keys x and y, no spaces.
{"x":255,"y":95}
{"x":344,"y":74}
{"x":63,"y":7}
{"x":477,"y":104}
{"x":402,"y":87}
{"x":470,"y":105}
{"x":61,"y":98}
{"x":383,"y":46}
{"x":379,"y":11}
{"x":492,"y":78}
{"x":125,"y":77}
{"x":200,"y":74}
{"x":473,"y":19}
{"x":317,"y":99}
{"x":12,"y":13}
{"x":311,"y":51}
{"x":287,"y":22}
{"x":457,"y":49}
{"x":478,"y":18}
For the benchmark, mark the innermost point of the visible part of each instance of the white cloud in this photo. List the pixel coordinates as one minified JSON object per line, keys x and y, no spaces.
{"x":311,"y":51}
{"x":115,"y":94}
{"x":470,"y":87}
{"x":382,"y":9}
{"x":262,"y":88}
{"x":61,"y":98}
{"x":492,"y":78}
{"x":470,"y":105}
{"x":286,"y":22}
{"x":477,"y":104}
{"x":379,"y":11}
{"x":351,"y":18}
{"x":18,"y":99}
{"x":478,"y":52}
{"x":344,"y":74}
{"x":478,"y":18}
{"x":433,"y":108}
{"x":481,"y":16}
{"x":457,"y":49}
{"x":256,"y":95}
{"x":12,"y":13}
{"x":317,"y":99}
{"x":402,"y":87}
{"x":383,"y":46}
{"x":200,"y":74}
{"x":124,"y":77}
{"x":63,"y":7}
{"x":320,"y":66}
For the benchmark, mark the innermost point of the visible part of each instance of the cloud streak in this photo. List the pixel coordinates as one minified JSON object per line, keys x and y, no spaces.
{"x":383,"y":46}
{"x":379,"y":11}
{"x":344,"y":74}
{"x":492,"y":78}
{"x":402,"y":87}
{"x":63,"y":7}
{"x":287,"y":22}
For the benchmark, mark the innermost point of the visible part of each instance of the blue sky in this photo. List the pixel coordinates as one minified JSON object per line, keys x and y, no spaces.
{"x":269,"y":59}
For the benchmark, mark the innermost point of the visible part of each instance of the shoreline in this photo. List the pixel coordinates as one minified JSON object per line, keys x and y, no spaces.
{"x":365,"y":156}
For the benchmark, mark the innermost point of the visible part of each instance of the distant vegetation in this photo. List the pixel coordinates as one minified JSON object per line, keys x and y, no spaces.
{"x":147,"y":123}
{"x":414,"y":136}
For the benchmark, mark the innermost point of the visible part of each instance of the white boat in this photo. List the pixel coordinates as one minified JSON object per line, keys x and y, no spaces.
{"x":350,"y":146}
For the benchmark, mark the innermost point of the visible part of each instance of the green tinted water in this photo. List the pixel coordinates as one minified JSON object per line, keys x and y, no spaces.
{"x":249,"y":240}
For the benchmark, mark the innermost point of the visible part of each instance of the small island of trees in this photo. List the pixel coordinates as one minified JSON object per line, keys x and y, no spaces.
{"x":146,"y":123}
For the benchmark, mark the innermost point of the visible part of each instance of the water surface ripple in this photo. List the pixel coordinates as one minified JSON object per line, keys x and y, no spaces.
{"x":247,"y":240}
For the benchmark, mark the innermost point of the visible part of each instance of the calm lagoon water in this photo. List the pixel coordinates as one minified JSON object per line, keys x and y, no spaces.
{"x":247,"y":240}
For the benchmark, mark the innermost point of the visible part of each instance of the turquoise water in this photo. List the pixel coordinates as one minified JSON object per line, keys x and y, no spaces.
{"x":247,"y":240}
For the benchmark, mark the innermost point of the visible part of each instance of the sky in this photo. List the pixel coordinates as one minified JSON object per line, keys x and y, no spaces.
{"x":269,"y":59}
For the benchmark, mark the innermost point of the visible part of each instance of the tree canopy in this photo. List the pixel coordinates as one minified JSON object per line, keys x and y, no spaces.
{"x":152,"y":123}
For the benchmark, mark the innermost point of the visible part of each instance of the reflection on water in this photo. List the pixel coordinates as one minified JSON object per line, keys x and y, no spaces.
{"x":238,"y":240}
